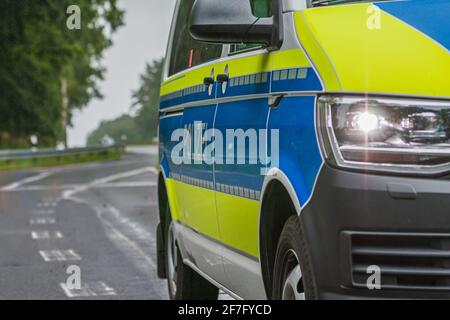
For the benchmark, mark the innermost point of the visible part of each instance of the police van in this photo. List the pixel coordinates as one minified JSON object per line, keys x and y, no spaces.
{"x":304,"y":150}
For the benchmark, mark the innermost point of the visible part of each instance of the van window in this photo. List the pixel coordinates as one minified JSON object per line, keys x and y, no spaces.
{"x":187,"y":52}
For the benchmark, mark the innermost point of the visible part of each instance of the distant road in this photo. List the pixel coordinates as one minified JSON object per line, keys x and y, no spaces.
{"x":100,"y":217}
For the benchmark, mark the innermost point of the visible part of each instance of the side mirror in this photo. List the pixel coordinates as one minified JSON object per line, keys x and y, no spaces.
{"x":232,"y":21}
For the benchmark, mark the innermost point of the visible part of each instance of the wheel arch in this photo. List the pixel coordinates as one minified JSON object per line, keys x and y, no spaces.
{"x":279,"y":201}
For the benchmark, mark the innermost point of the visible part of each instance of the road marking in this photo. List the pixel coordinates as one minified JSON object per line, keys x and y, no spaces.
{"x":93,"y":289}
{"x":108,"y":179}
{"x":141,"y":260}
{"x":127,"y":184}
{"x":136,"y":228}
{"x":41,"y":221}
{"x":130,"y":184}
{"x":75,"y":188}
{"x":43,"y":212}
{"x":45,"y":188}
{"x":22,"y":182}
{"x":59,"y":255}
{"x":41,"y":235}
{"x":46,"y":204}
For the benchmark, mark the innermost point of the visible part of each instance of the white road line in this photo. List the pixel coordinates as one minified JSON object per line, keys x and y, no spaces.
{"x":141,"y":260}
{"x":59,"y":255}
{"x":42,"y":221}
{"x":43,"y":212}
{"x":136,"y":228}
{"x":43,"y":235}
{"x":127,"y":184}
{"x":45,"y":188}
{"x":108,"y":179}
{"x":93,"y":289}
{"x":22,"y":182}
{"x":138,"y":184}
{"x":19,"y":186}
{"x":46,"y":204}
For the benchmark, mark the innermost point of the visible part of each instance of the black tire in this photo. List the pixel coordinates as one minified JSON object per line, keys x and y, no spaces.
{"x":189,"y":284}
{"x":291,"y":247}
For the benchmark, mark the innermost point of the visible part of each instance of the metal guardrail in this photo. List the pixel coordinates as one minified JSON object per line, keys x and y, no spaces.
{"x":47,"y":153}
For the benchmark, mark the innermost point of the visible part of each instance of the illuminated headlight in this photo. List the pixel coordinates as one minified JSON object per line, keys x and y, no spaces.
{"x":383,"y":134}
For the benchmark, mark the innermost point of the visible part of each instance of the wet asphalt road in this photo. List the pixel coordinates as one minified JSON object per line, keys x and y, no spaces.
{"x":100,"y":218}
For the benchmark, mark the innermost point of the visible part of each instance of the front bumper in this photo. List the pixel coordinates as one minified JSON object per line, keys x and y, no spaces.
{"x":400,"y":224}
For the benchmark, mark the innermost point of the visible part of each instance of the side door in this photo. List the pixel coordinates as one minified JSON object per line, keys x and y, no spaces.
{"x":243,"y":92}
{"x":192,"y":64}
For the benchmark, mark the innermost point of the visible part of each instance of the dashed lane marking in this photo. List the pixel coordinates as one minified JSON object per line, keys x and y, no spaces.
{"x":59,"y":255}
{"x":43,"y":212}
{"x":92,"y":289}
{"x":42,"y":221}
{"x":47,"y":204}
{"x":140,"y":259}
{"x":42,"y":235}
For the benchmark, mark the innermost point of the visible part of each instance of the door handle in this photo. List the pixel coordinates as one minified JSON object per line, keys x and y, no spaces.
{"x":223,"y":77}
{"x":208,"y":81}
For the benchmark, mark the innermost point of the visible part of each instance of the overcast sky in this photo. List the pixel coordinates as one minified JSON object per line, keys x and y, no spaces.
{"x":142,"y":39}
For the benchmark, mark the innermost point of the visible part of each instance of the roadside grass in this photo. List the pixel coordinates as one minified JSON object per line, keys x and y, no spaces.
{"x":62,"y":160}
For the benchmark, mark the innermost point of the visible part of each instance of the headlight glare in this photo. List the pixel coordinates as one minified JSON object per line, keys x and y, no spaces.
{"x":396,"y":135}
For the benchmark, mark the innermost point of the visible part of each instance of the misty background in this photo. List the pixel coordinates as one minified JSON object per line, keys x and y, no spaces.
{"x":141,"y":40}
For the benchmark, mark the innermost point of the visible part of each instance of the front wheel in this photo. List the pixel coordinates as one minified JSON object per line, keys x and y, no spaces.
{"x":183,"y":282}
{"x":293,"y":276}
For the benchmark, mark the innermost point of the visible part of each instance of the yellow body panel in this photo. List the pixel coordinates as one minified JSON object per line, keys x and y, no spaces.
{"x":197,"y":209}
{"x":173,"y":84}
{"x":285,"y":59}
{"x":323,"y":65}
{"x":171,"y":194}
{"x":239,"y":222}
{"x":261,"y":61}
{"x":396,"y":58}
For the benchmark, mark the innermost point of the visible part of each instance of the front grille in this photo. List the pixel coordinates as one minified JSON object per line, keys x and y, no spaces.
{"x":407,"y":261}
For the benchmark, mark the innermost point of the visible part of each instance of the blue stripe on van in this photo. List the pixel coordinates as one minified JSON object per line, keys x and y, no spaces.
{"x":298,"y":79}
{"x":287,"y":80}
{"x":299,"y":150}
{"x":432,"y":17}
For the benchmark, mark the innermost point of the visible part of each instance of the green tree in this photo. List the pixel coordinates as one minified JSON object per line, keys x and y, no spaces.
{"x":38,"y":52}
{"x":146,"y":100}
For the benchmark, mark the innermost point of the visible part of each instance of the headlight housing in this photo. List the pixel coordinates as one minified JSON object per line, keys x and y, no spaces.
{"x":386,"y":134}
